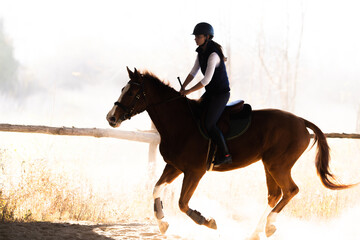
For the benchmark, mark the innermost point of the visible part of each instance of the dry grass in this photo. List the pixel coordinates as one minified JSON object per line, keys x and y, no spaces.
{"x":61,"y":188}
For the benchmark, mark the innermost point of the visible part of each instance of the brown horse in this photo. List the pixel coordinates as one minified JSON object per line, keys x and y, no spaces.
{"x":276,"y":137}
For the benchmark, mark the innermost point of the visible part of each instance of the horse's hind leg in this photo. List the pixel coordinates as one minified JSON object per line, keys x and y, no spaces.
{"x":274,"y":191}
{"x":282,"y":176}
{"x":169,"y":174}
{"x":274,"y":195}
{"x":190,"y":182}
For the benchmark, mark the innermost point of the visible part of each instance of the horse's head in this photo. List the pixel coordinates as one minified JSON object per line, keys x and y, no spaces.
{"x":130,"y":102}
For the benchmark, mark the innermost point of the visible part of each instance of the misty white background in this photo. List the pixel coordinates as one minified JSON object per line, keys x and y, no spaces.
{"x":73,"y":55}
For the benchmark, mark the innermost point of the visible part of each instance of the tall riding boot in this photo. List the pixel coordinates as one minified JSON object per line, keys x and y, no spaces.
{"x":224,"y":156}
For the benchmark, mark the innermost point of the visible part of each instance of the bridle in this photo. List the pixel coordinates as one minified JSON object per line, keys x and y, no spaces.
{"x":129,"y":111}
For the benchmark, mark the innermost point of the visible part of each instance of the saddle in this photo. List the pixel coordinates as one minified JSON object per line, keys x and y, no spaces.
{"x":234,"y":122}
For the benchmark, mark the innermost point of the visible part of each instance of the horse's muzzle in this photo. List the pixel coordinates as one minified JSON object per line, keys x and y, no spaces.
{"x":112,"y":122}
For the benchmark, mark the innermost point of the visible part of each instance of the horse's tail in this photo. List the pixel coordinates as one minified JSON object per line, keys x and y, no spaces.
{"x":323,"y":158}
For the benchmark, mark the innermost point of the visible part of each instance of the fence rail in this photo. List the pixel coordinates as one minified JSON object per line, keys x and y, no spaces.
{"x":139,"y":136}
{"x":341,"y":135}
{"x":150,"y":136}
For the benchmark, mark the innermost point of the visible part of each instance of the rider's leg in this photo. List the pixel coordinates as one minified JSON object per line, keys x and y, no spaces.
{"x":219,"y":139}
{"x":215,"y":105}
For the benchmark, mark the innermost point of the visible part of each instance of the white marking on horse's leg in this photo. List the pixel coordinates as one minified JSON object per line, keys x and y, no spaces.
{"x":270,"y":224}
{"x":271,"y":217}
{"x":158,"y":189}
{"x":158,"y":208}
{"x":261,"y":224}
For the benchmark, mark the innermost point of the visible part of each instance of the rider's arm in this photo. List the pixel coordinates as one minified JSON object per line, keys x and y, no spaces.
{"x":192,"y":73}
{"x":213,"y":62}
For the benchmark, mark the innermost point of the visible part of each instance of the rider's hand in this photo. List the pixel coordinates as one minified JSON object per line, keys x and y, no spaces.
{"x":183,"y":92}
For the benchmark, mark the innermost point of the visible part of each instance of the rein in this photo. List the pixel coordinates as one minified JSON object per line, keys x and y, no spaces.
{"x":129,"y":110}
{"x":187,"y":100}
{"x":166,"y":101}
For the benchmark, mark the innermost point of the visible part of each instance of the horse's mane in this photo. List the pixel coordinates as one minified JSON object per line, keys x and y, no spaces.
{"x":152,"y":77}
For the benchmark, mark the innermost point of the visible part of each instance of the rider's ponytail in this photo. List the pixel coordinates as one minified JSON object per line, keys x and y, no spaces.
{"x":219,"y":48}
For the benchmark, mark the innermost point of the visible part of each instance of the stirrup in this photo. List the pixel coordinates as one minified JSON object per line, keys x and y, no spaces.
{"x":226,"y":160}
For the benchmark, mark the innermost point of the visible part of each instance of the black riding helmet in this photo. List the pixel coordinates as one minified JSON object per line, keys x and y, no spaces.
{"x":204,"y":28}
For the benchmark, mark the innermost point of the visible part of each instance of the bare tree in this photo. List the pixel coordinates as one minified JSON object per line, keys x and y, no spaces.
{"x":8,"y":65}
{"x":280,"y":67}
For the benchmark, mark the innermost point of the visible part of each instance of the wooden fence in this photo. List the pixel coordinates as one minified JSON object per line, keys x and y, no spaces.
{"x":152,"y":136}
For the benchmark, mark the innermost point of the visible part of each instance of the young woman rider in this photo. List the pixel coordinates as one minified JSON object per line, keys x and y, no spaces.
{"x":210,"y":60}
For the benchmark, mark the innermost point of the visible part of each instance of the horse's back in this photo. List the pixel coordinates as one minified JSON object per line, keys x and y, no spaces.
{"x":278,"y":118}
{"x":271,"y":130}
{"x":281,"y":129}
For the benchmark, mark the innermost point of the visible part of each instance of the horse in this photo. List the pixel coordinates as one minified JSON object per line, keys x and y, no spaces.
{"x":276,"y":137}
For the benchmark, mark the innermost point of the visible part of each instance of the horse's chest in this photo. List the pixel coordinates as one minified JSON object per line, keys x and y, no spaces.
{"x":167,"y":151}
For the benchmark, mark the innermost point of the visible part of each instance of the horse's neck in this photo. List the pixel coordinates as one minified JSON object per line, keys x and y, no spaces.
{"x":170,"y":121}
{"x":169,"y":115}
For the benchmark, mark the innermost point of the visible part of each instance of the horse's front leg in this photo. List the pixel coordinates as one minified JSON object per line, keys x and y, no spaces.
{"x":190,"y":182}
{"x":169,"y":174}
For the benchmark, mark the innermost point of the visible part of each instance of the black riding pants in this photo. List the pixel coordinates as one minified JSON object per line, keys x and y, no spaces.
{"x":214,"y":105}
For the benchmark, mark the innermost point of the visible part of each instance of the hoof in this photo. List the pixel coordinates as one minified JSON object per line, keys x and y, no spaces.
{"x":270,"y":230}
{"x":163,"y":226}
{"x":211,"y":224}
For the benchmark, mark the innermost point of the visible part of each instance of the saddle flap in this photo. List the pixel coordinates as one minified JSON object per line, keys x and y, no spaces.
{"x":236,"y":120}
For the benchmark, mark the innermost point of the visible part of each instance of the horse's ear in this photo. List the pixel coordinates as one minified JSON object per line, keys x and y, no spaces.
{"x":137,"y":75}
{"x":131,"y":74}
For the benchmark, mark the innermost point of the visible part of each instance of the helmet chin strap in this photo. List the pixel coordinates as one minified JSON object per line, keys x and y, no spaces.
{"x":206,"y":41}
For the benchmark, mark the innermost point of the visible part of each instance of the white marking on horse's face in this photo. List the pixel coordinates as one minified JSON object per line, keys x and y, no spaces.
{"x":111,"y":118}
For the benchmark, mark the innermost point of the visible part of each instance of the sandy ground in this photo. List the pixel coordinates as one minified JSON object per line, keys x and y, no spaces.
{"x":289,"y":228}
{"x":87,"y":231}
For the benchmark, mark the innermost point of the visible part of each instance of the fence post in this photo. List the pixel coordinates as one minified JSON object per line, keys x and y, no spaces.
{"x":152,"y":155}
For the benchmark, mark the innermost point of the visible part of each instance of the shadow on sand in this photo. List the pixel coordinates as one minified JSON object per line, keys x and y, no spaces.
{"x":69,"y":231}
